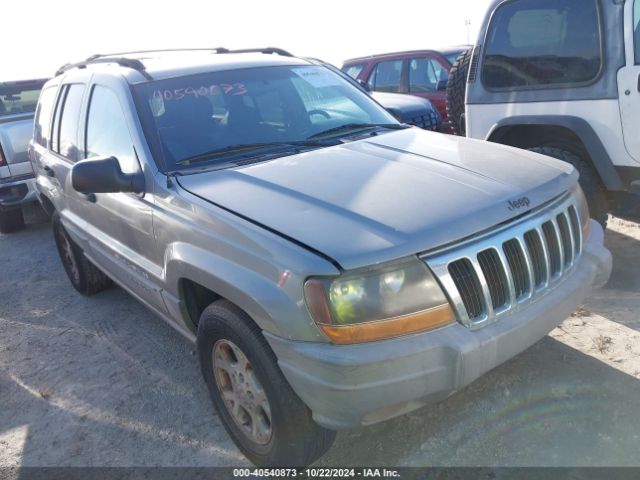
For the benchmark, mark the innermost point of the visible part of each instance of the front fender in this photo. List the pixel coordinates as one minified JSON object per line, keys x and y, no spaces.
{"x":273,"y":298}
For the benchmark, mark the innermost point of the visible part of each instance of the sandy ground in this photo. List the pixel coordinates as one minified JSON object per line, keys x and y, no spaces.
{"x":103,"y":382}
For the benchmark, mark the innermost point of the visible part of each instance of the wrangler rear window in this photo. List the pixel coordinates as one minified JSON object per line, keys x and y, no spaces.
{"x":534,"y":43}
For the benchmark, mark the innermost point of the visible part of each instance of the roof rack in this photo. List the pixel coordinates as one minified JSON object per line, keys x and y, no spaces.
{"x":136,"y":64}
{"x":268,"y":50}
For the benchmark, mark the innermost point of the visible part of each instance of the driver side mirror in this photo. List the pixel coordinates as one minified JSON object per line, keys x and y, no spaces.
{"x":104,"y":175}
{"x":442,"y":85}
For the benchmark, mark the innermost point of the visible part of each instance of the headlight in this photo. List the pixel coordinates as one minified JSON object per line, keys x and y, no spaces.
{"x":583,"y":210}
{"x":377,"y":304}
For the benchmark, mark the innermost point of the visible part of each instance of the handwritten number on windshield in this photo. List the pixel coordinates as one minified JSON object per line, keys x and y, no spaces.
{"x":212,"y":90}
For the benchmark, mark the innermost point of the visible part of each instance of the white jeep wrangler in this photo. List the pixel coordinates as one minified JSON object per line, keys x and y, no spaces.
{"x":560,"y":77}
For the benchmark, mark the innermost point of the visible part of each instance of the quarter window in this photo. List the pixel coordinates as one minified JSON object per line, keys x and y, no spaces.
{"x":543,"y":42}
{"x":386,"y":76}
{"x":68,"y":134}
{"x":107,"y":131}
{"x":426,"y":75}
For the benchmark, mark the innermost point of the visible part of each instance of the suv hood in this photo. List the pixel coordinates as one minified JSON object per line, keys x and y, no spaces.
{"x":386,"y":197}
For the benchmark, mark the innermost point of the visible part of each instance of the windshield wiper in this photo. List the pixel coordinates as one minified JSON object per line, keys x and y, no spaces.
{"x":250,"y":147}
{"x":357,"y":127}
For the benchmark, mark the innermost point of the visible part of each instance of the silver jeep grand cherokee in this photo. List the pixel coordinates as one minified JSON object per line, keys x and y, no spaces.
{"x":335,"y":267}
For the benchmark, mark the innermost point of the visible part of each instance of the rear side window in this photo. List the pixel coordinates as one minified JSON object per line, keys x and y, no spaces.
{"x":42,"y":132}
{"x":386,"y":76}
{"x":66,"y":124}
{"x":534,"y":43}
{"x":353,"y":70}
{"x":426,"y":75}
{"x":107,"y":131}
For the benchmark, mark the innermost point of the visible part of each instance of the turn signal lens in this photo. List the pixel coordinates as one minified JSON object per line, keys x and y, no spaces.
{"x":393,"y":327}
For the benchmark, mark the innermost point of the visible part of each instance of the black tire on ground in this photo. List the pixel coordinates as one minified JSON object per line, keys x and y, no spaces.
{"x":590,"y":182}
{"x":290,"y":437}
{"x":11,"y":220}
{"x":456,"y":91}
{"x":85,"y":277}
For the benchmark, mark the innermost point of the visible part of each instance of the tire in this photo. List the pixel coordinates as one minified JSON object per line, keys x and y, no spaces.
{"x":590,"y":182}
{"x":287,"y":435}
{"x":85,"y":277}
{"x":11,"y":220}
{"x":456,"y":92}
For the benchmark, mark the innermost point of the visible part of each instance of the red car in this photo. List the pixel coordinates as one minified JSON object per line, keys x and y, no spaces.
{"x":423,"y":73}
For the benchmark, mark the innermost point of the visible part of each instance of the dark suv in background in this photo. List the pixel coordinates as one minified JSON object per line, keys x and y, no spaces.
{"x":423,"y":73}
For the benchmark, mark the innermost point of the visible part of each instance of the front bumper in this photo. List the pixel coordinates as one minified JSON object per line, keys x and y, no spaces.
{"x":354,"y":385}
{"x":17,"y":191}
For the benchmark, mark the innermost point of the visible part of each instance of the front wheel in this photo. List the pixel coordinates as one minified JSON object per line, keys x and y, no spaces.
{"x":258,"y":408}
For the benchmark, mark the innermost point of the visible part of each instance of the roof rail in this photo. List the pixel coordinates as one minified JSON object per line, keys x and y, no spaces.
{"x":159,"y":50}
{"x":268,"y":50}
{"x":136,"y":64}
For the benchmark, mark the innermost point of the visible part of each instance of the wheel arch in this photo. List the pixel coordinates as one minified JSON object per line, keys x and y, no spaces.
{"x":539,"y":130}
{"x":196,"y":277}
{"x":47,"y":204}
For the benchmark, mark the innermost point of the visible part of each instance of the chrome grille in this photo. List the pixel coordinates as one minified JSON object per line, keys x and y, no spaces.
{"x":493,"y":271}
{"x":516,"y":264}
{"x":553,"y":246}
{"x":538,"y":257}
{"x":467,"y":284}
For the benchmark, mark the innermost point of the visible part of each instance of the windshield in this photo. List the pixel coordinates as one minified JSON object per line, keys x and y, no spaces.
{"x":19,"y":97}
{"x":205,"y":116}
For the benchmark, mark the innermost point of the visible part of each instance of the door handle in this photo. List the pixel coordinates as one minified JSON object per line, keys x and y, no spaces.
{"x":50,"y":171}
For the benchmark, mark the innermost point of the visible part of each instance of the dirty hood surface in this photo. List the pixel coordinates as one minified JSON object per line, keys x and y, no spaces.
{"x":388,"y":196}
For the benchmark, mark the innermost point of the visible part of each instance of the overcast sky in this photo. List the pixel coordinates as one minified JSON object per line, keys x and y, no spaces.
{"x":48,"y":33}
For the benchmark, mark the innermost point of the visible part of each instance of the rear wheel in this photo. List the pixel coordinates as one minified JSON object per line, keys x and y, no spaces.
{"x":456,"y":92}
{"x":11,"y":220}
{"x":85,"y":277}
{"x":589,"y":181}
{"x":258,"y":408}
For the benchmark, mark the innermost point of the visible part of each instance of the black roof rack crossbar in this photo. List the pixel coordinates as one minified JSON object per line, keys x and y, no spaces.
{"x":158,"y":50}
{"x":122,"y":61}
{"x":268,"y":50}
